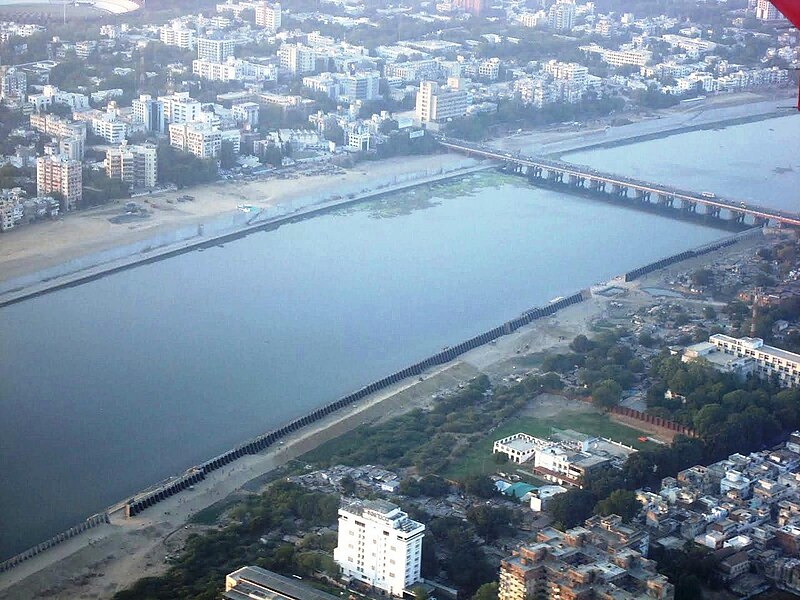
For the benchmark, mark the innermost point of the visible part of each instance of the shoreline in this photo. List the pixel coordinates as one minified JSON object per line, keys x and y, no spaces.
{"x":14,"y":293}
{"x":488,"y":352}
{"x":274,"y":457}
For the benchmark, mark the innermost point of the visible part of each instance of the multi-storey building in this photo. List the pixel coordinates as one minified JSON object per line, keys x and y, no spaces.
{"x":601,"y":560}
{"x":246,"y":114}
{"x":135,"y":165}
{"x":13,"y":84}
{"x":361,"y":85}
{"x":150,"y":112}
{"x":476,"y":8}
{"x":215,"y":47}
{"x":439,"y":103}
{"x":203,"y":138}
{"x":561,"y":16}
{"x":297,"y":58}
{"x":766,"y":11}
{"x":180,"y":108}
{"x":268,"y":16}
{"x":234,"y":69}
{"x":533,"y":19}
{"x":59,"y":174}
{"x":567,"y":71}
{"x":380,"y":545}
{"x":57,"y":126}
{"x":769,"y":361}
{"x":110,"y":127}
{"x":414,"y":70}
{"x":52,"y":95}
{"x":73,"y":147}
{"x":177,"y":34}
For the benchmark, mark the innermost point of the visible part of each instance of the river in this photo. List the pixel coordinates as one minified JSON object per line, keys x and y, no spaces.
{"x":112,"y":385}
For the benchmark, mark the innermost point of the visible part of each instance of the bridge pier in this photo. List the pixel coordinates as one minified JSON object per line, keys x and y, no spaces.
{"x":737,"y":216}
{"x":642,"y":196}
{"x":713,"y":211}
{"x":555,"y":176}
{"x":620,"y":191}
{"x":666,"y":200}
{"x":534,"y":173}
{"x":576,"y":180}
{"x":596,"y":185}
{"x":760,"y":221}
{"x":688,"y":206}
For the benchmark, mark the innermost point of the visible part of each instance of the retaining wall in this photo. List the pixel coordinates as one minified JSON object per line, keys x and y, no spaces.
{"x":676,"y":258}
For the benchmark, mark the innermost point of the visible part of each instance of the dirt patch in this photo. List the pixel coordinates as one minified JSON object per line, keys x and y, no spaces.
{"x":547,"y":406}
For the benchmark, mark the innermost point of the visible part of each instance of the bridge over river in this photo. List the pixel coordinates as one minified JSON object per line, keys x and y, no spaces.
{"x":579,"y":177}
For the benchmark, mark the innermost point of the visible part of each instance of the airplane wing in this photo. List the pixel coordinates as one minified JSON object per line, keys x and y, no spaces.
{"x":790,"y":10}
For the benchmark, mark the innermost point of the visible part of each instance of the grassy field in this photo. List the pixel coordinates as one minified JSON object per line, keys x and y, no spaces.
{"x":478,"y":459}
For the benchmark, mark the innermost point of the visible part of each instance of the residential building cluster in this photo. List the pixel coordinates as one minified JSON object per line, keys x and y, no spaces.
{"x":601,"y":559}
{"x":745,"y":509}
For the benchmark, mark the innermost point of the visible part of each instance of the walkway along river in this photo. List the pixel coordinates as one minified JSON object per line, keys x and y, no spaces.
{"x":172,"y":486}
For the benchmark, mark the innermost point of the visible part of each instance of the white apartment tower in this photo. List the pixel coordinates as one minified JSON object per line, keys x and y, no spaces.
{"x":180,"y":108}
{"x":59,"y":174}
{"x":435,"y":103}
{"x":176,"y":34}
{"x":297,"y":58}
{"x":13,"y":83}
{"x":379,"y":545}
{"x":561,"y":16}
{"x":268,"y":16}
{"x":215,"y":48}
{"x":765,"y":11}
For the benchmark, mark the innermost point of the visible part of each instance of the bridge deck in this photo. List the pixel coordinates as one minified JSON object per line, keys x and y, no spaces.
{"x":587,"y":173}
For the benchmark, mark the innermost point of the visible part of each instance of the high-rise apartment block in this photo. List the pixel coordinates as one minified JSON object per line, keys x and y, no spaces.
{"x":150,"y":111}
{"x":135,"y":165}
{"x":297,"y":58}
{"x":440,"y":103}
{"x":13,"y":84}
{"x":268,"y":16}
{"x":766,"y":11}
{"x":561,"y":16}
{"x":59,"y":174}
{"x":379,"y":545}
{"x":177,"y":34}
{"x":215,"y":47}
{"x":180,"y":108}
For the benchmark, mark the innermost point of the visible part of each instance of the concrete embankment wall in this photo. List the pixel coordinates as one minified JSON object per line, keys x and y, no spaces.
{"x":86,"y":525}
{"x":219,"y":229}
{"x":688,"y":254}
{"x":194,"y":475}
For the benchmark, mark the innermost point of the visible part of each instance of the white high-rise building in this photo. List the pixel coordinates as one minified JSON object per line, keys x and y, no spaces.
{"x":297,"y":58}
{"x":766,"y":11}
{"x":13,"y":83}
{"x":176,"y":34}
{"x":135,"y":165}
{"x":180,"y":108}
{"x":437,"y":103}
{"x":379,"y":545}
{"x":268,"y":16}
{"x":215,"y":48}
{"x":561,"y":16}
{"x":149,"y":111}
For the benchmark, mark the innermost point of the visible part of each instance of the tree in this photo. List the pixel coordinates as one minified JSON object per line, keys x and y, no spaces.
{"x":479,"y":485}
{"x":702,"y":277}
{"x":348,"y":485}
{"x":227,"y":156}
{"x":606,"y":393}
{"x":580,"y":344}
{"x":571,"y":508}
{"x":488,"y":591}
{"x":490,"y":523}
{"x":620,"y":502}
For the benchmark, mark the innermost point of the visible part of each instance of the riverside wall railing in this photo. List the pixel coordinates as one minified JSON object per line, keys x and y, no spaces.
{"x":86,"y":525}
{"x":147,"y":499}
{"x":676,"y":258}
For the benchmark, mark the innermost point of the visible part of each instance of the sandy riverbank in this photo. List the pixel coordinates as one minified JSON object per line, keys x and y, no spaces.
{"x":43,"y":245}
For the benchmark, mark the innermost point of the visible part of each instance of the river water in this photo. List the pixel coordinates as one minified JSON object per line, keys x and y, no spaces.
{"x":755,"y":162}
{"x":112,"y":385}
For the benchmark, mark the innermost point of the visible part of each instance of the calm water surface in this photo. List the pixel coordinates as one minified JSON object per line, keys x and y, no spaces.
{"x":110,"y":386}
{"x":756,"y":162}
